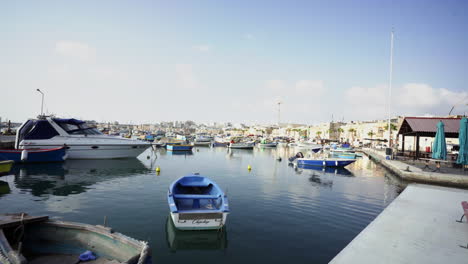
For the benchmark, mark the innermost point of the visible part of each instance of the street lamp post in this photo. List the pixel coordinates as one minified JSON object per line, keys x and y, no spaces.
{"x":42,"y":103}
{"x":390,"y":92}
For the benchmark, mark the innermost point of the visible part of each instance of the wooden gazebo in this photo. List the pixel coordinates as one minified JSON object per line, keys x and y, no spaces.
{"x":427,"y":127}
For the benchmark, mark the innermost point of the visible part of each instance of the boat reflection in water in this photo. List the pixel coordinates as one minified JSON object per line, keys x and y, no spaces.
{"x":72,"y":176}
{"x":180,"y":153}
{"x":195,"y":240}
{"x":328,"y":170}
{"x":323,"y":176}
{"x":4,"y":188}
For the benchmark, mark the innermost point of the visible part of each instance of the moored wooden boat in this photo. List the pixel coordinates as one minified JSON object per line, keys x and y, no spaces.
{"x":220,"y":144}
{"x":202,"y":143}
{"x":34,"y":155}
{"x":266,"y":144}
{"x":185,"y":147}
{"x":241,"y":145}
{"x":54,"y":242}
{"x":197,"y":203}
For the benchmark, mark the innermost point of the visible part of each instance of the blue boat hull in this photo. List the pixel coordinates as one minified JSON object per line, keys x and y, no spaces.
{"x":35,"y":155}
{"x":325,"y":162}
{"x":220,"y":144}
{"x":179,"y":147}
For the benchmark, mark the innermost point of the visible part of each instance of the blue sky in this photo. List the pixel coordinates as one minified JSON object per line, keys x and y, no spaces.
{"x":149,"y":61}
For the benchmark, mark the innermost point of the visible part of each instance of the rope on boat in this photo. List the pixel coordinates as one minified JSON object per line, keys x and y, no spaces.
{"x":144,"y":253}
{"x":3,"y":258}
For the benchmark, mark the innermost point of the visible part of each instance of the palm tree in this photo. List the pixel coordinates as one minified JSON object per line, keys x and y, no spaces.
{"x":353,"y":132}
{"x":371,"y":134}
{"x":393,"y":126}
{"x":318,"y":133}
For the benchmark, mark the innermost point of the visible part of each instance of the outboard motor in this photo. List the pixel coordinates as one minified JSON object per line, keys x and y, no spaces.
{"x":298,"y":155}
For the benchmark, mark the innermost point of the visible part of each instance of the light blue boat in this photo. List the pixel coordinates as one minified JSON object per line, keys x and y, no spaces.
{"x":197,"y":203}
{"x":328,"y":162}
{"x":343,"y":155}
{"x":179,"y":147}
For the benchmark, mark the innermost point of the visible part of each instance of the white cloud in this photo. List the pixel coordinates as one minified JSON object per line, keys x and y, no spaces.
{"x":310,"y":87}
{"x":409,"y":99}
{"x":75,"y":50}
{"x":299,"y":99}
{"x":418,"y":95}
{"x":202,"y":48}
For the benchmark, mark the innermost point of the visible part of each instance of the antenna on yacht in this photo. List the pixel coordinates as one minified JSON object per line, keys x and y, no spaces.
{"x":42,"y":103}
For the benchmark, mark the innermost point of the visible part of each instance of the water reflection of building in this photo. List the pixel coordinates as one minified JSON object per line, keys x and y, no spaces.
{"x":72,"y":176}
{"x":195,"y":240}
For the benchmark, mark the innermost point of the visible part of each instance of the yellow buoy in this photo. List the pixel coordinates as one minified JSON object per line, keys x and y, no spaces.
{"x":249,"y":167}
{"x":158,"y":169}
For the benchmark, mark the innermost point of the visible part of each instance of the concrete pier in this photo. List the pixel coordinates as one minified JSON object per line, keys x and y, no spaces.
{"x":419,"y":226}
{"x":412,"y":173}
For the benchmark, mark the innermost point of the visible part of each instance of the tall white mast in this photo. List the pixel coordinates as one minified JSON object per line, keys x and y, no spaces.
{"x":390,"y":91}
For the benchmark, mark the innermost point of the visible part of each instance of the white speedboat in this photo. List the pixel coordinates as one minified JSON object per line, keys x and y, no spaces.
{"x":309,"y":146}
{"x":81,"y":140}
{"x":268,"y":145}
{"x":202,"y":140}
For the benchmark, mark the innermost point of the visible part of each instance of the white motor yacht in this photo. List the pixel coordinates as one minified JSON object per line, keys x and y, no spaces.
{"x":81,"y":140}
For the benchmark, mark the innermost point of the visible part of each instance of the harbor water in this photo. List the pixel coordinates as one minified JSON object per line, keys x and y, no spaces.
{"x":278,"y":213}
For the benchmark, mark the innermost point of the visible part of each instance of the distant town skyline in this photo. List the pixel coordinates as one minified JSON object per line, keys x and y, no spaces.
{"x":214,"y":61}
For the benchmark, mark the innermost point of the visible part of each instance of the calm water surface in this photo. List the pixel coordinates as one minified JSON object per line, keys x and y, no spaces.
{"x":278,"y":213}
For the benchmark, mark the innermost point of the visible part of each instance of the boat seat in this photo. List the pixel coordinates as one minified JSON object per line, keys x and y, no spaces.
{"x":195,"y":196}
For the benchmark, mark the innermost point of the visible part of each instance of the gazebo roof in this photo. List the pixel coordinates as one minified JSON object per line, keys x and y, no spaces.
{"x":427,"y":126}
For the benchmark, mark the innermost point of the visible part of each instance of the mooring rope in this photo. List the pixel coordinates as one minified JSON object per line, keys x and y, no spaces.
{"x":144,"y":253}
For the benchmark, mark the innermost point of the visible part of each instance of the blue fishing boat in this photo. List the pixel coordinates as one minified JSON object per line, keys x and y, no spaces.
{"x":197,"y":203}
{"x":179,"y":147}
{"x":326,"y":162}
{"x":34,"y":155}
{"x":329,"y":170}
{"x":220,"y":144}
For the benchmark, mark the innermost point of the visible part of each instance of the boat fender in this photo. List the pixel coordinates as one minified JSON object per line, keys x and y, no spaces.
{"x":336,"y":163}
{"x":87,"y":255}
{"x":24,"y":155}
{"x":324,"y":163}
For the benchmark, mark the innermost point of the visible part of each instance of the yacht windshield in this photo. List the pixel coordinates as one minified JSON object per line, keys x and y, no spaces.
{"x":77,"y":127}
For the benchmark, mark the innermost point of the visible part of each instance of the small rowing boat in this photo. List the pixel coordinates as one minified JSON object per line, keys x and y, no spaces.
{"x":197,"y":203}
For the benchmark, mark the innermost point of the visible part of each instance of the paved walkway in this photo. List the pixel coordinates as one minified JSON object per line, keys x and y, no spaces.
{"x":417,"y":227}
